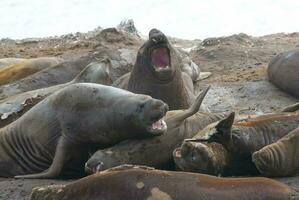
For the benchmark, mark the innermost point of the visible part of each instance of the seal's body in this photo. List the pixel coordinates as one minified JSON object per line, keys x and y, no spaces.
{"x":58,"y":132}
{"x":137,"y":182}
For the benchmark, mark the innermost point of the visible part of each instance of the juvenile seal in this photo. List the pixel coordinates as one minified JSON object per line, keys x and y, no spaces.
{"x":14,"y":107}
{"x":157,"y":151}
{"x":280,"y":158}
{"x":242,"y":138}
{"x":26,"y":67}
{"x":157,"y":72}
{"x":138,"y":182}
{"x":57,"y":134}
{"x":283,"y":71}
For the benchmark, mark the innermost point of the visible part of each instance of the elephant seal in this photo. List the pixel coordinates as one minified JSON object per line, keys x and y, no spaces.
{"x":71,"y":67}
{"x":157,"y":72}
{"x":181,"y":124}
{"x":279,"y":158}
{"x":54,"y":137}
{"x":26,"y":67}
{"x":143,"y":183}
{"x":9,"y":61}
{"x":283,"y":71}
{"x":242,"y":138}
{"x":14,"y":107}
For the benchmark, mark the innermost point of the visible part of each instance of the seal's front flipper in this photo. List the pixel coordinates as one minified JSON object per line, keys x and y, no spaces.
{"x":291,"y":108}
{"x":221,"y":134}
{"x":60,"y":158}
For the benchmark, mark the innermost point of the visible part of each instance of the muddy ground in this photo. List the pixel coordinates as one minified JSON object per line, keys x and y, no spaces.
{"x":238,"y":65}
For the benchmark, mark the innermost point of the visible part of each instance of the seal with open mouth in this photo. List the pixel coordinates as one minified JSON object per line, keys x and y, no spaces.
{"x":156,"y":151}
{"x":54,"y":137}
{"x":157,"y":72}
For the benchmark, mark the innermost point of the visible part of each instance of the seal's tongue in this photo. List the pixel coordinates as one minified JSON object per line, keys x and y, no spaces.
{"x":158,"y":124}
{"x":160,"y":58}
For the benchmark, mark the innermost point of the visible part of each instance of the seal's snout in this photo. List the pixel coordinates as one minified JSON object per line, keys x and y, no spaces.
{"x":157,"y":36}
{"x":93,"y":166}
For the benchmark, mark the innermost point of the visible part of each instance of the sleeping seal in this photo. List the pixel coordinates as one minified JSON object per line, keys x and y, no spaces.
{"x":280,"y":158}
{"x":25,"y":67}
{"x":157,"y":72}
{"x":14,"y":107}
{"x":283,"y":71}
{"x":143,"y":183}
{"x":240,"y":140}
{"x":57,"y":134}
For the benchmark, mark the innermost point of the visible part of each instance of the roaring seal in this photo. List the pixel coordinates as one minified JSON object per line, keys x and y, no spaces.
{"x":14,"y":107}
{"x":157,"y":72}
{"x":283,"y":71}
{"x":242,"y":138}
{"x":143,"y":183}
{"x":157,"y":151}
{"x":26,"y":67}
{"x":280,"y":158}
{"x":57,"y":134}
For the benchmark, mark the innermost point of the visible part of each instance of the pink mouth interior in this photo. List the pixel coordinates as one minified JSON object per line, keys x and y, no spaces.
{"x":178,"y":153}
{"x":157,"y":125}
{"x":160,"y":58}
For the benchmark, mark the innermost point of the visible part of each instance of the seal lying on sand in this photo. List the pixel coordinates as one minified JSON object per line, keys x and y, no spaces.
{"x":26,"y":67}
{"x":280,"y":158}
{"x":138,"y":182}
{"x":240,"y":139}
{"x":283,"y":71}
{"x":157,"y":151}
{"x":57,"y":134}
{"x":14,"y":107}
{"x":65,"y":72}
{"x":157,"y":72}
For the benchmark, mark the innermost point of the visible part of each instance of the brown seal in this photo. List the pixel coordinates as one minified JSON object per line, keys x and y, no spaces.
{"x":242,"y":138}
{"x":157,"y":151}
{"x":14,"y":107}
{"x":157,"y":72}
{"x":54,"y":138}
{"x":138,"y":182}
{"x":26,"y":67}
{"x":283,"y":71}
{"x":280,"y":158}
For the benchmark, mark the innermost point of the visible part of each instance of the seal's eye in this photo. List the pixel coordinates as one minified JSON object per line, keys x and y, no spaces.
{"x":140,"y":107}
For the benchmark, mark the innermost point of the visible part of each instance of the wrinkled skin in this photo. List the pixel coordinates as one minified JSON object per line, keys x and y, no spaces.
{"x":157,"y":72}
{"x":240,"y":140}
{"x":283,"y":71}
{"x":157,"y":151}
{"x":280,"y":158}
{"x":57,"y":134}
{"x":14,"y":107}
{"x":138,"y":182}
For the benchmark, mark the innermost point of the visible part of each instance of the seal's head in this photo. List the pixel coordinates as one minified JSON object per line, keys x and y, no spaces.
{"x":156,"y":59}
{"x":195,"y":157}
{"x":144,"y":115}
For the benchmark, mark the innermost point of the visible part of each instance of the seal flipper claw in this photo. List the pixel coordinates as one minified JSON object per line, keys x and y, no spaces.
{"x":56,"y":167}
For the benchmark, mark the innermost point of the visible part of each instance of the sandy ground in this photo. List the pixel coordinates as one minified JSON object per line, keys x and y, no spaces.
{"x":239,"y":81}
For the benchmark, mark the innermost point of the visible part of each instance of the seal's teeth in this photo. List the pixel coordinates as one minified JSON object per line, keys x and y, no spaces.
{"x":160,"y":124}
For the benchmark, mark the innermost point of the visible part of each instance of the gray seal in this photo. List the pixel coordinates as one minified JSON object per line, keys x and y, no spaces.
{"x":54,"y":138}
{"x":283,"y":71}
{"x":157,"y":72}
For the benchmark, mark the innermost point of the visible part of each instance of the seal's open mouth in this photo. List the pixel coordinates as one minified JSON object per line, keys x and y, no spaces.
{"x":158,"y":127}
{"x":160,"y":58}
{"x":177,"y":152}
